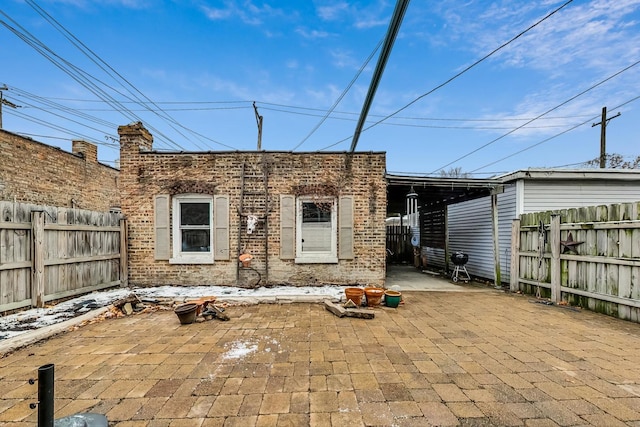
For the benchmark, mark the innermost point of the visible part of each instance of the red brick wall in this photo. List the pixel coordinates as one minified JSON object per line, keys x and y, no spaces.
{"x":38,"y":173}
{"x":145,"y":173}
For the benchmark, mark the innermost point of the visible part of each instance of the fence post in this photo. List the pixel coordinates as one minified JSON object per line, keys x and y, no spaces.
{"x":554,"y":242}
{"x":124,"y":266}
{"x":37,"y":260}
{"x":514,"y":279}
{"x":497,"y":271}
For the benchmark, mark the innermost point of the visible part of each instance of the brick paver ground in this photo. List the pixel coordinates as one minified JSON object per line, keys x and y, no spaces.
{"x":442,"y":359}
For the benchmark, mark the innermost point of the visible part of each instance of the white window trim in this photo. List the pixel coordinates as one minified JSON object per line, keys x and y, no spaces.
{"x":320,"y":257}
{"x":179,"y":257}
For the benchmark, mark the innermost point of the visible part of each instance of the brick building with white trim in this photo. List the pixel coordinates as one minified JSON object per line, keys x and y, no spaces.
{"x":303,"y":218}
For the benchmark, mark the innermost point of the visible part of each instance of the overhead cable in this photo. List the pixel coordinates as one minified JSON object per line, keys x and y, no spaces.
{"x":465,"y":70}
{"x":543,"y":114}
{"x":556,"y":135}
{"x":109,"y":70}
{"x":342,"y":95}
{"x":390,"y":38}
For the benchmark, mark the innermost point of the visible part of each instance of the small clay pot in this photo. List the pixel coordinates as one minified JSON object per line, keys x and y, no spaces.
{"x":186,"y":313}
{"x":374,"y":295}
{"x":355,"y":295}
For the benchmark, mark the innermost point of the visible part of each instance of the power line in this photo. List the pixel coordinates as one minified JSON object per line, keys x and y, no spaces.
{"x":342,"y":95}
{"x":552,"y":137}
{"x":77,"y":74}
{"x":87,"y":80}
{"x":107,"y":69}
{"x":321,"y":111}
{"x":541,"y":115}
{"x":465,"y":70}
{"x":62,"y":129}
{"x":392,"y":32}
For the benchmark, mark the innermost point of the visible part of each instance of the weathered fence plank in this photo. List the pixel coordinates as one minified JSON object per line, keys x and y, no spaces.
{"x":37,"y":269}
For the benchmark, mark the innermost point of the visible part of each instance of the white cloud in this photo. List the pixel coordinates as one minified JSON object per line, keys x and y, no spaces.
{"x":333,"y":11}
{"x":131,"y":4}
{"x":312,"y":34}
{"x":343,"y":59}
{"x":247,"y":12}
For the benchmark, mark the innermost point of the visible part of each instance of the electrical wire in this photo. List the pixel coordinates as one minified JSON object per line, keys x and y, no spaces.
{"x":552,"y":137}
{"x":342,"y":95}
{"x":110,"y":71}
{"x":88,"y":81}
{"x":61,"y":129}
{"x":323,"y":112}
{"x":465,"y":70}
{"x":77,"y":74}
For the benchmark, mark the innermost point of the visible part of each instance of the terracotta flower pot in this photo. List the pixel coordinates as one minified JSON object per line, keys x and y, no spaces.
{"x":374,"y":295}
{"x":245,"y":259}
{"x":354,"y":294}
{"x":186,"y":313}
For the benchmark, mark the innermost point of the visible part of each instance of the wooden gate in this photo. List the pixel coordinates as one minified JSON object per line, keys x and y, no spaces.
{"x":399,"y":248}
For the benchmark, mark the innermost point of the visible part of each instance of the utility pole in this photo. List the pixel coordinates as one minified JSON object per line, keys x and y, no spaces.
{"x":5,"y":102}
{"x":603,"y":136}
{"x":259,"y":123}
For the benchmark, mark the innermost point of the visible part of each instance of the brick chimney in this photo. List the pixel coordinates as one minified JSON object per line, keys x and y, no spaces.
{"x":135,"y":137}
{"x":85,"y":149}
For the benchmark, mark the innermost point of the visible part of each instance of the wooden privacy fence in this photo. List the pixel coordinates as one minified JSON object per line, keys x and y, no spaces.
{"x":589,"y":257}
{"x":49,"y":253}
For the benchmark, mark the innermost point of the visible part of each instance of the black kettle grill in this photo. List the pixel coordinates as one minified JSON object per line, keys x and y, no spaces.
{"x":459,"y":259}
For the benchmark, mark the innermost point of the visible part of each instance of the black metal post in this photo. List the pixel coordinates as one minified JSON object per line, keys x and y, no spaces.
{"x":45,"y":395}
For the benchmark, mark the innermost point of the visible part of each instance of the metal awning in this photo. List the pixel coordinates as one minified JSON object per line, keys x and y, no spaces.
{"x":435,"y":193}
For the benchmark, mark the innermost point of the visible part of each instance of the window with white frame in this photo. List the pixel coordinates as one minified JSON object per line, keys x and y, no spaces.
{"x":192,"y":229}
{"x":316,"y":230}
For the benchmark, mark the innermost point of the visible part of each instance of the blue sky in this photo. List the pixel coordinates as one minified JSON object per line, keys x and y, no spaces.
{"x":190,"y":70}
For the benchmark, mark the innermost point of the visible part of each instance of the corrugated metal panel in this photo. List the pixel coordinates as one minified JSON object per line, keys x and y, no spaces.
{"x":470,"y":231}
{"x":553,"y":195}
{"x":435,"y":257}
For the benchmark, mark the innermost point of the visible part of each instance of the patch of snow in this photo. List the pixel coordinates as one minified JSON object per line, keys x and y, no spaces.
{"x":24,"y":321}
{"x":239,"y":349}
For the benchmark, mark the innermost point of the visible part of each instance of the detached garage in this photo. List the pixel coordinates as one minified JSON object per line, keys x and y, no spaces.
{"x":470,"y":226}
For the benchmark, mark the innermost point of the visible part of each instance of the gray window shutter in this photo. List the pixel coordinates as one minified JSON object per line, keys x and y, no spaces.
{"x":345,"y":230}
{"x":287,"y":227}
{"x":221,"y":227}
{"x":162,"y":249}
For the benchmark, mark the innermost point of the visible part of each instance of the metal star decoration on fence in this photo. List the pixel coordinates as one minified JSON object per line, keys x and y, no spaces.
{"x":569,"y":245}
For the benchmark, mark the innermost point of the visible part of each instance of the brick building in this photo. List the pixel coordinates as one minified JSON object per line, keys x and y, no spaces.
{"x":303,"y":218}
{"x":34,"y":172}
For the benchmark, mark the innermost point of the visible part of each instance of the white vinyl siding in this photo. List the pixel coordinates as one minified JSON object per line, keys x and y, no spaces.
{"x":470,"y":222}
{"x":471,"y":231}
{"x":545,"y":195}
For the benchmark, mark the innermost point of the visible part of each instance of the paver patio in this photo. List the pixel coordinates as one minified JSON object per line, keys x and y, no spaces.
{"x":443,"y":359}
